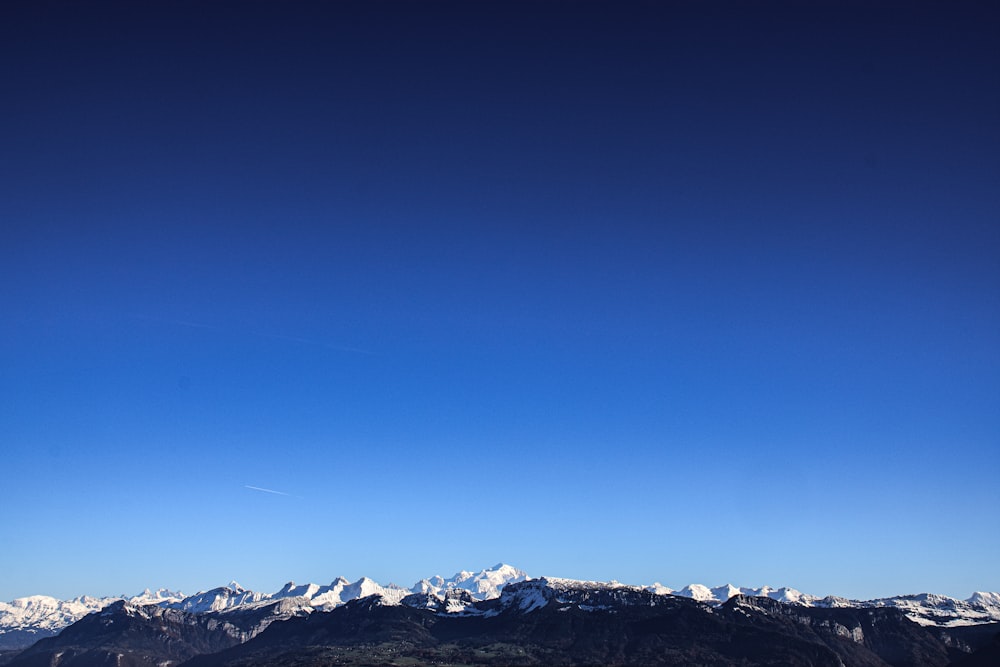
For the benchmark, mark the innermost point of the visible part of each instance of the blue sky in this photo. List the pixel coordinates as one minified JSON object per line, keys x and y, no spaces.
{"x":680,"y":294}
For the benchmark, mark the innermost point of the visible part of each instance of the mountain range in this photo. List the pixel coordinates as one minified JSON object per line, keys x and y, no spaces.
{"x":493,"y":617}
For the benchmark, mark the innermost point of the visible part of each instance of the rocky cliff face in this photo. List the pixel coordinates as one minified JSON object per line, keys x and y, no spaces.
{"x":127,"y":635}
{"x":557,"y":622}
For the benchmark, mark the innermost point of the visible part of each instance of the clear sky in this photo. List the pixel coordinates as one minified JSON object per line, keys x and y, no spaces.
{"x":677,"y":292}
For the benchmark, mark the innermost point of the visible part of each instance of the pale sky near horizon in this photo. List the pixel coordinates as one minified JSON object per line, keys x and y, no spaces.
{"x":676,"y":292}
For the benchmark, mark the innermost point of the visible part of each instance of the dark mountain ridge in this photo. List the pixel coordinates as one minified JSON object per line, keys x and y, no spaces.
{"x":535,"y":622}
{"x":126,"y":635}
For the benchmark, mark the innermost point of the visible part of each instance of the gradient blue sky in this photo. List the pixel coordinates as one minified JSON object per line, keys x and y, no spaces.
{"x":680,"y":292}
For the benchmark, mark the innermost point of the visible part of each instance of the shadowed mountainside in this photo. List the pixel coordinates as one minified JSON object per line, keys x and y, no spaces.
{"x":535,"y":622}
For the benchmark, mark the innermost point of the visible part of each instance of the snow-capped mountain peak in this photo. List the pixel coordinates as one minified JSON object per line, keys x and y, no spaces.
{"x":723,"y":593}
{"x":697,"y":592}
{"x":659,"y":589}
{"x":159,"y":596}
{"x":291,"y":590}
{"x":985,"y":599}
{"x":483,"y":585}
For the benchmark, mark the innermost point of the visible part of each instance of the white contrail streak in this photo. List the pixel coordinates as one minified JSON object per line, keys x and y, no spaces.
{"x":262,"y":490}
